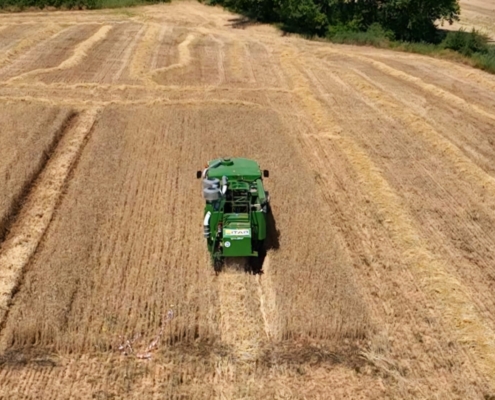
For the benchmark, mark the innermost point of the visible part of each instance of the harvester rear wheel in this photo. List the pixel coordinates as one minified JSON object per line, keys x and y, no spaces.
{"x":268,"y":208}
{"x":217,"y":265}
{"x":256,"y":263}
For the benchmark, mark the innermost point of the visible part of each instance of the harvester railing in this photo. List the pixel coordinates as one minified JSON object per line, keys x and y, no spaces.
{"x":237,"y":201}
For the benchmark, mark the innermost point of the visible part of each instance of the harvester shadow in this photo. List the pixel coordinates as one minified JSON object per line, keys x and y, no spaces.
{"x":22,"y":357}
{"x":272,"y":242}
{"x":301,"y":354}
{"x":273,"y":234}
{"x":241,"y":22}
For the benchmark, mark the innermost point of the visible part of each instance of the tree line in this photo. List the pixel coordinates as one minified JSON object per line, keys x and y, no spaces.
{"x":16,"y":5}
{"x":409,"y":20}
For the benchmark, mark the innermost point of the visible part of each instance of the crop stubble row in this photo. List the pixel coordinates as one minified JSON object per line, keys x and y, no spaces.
{"x":469,"y":240}
{"x":158,"y":195}
{"x":25,"y":146}
{"x":126,"y":231}
{"x":386,"y":281}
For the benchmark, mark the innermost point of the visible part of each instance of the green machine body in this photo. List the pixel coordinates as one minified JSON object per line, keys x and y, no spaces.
{"x":235,"y":223}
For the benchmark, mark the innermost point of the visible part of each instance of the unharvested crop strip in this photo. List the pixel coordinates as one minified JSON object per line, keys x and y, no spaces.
{"x":80,"y":52}
{"x":451,"y":299}
{"x":36,"y":215}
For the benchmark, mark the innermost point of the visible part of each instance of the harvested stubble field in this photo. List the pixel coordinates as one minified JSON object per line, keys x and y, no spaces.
{"x":379,"y":281}
{"x":477,"y":14}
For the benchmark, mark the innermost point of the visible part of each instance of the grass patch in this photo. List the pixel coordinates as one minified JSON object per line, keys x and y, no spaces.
{"x":126,"y":3}
{"x":119,"y":3}
{"x":470,"y":48}
{"x":375,"y":35}
{"x":21,"y":5}
{"x":485,"y":62}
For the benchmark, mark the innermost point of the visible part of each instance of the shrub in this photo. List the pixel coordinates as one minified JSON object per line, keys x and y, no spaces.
{"x":302,"y":16}
{"x":485,"y":61}
{"x":375,"y":35}
{"x":72,"y":4}
{"x":466,"y":43}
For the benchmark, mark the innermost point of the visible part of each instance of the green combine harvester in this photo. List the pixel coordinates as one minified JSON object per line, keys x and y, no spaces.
{"x":235,"y":222}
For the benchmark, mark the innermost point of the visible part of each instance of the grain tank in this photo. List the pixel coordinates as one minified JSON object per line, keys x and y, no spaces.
{"x":235,"y":223}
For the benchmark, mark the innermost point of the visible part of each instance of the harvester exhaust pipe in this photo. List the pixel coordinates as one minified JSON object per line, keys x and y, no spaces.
{"x":211,"y":166}
{"x":224,"y":185}
{"x":206,"y":225}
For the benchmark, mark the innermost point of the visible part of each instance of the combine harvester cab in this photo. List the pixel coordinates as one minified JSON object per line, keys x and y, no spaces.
{"x":236,"y":207}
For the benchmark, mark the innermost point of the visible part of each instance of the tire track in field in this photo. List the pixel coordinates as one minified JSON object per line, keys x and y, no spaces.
{"x":466,"y":168}
{"x":184,"y":56}
{"x":243,"y":326}
{"x":36,"y":214}
{"x":427,"y":87}
{"x":78,"y":55}
{"x":127,"y":54}
{"x":165,"y":30}
{"x":236,"y":58}
{"x":82,"y":49}
{"x":12,"y":35}
{"x":220,"y":59}
{"x":118,"y":88}
{"x":451,"y":297}
{"x":140,"y":61}
{"x":156,"y":101}
{"x":431,"y":68}
{"x":248,"y":57}
{"x":29,"y":42}
{"x":473,"y":232}
{"x":17,"y":195}
{"x":470,"y":74}
{"x":268,"y":306}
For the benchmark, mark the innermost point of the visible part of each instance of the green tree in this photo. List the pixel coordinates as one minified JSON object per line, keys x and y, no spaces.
{"x":415,"y":19}
{"x":466,"y":43}
{"x":303,"y":16}
{"x":407,"y":19}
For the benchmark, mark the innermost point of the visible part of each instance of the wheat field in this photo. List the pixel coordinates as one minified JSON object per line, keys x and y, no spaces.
{"x":379,"y":277}
{"x":25,"y":146}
